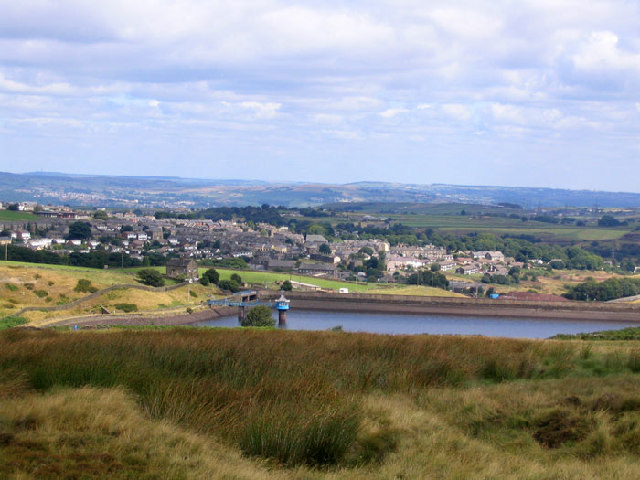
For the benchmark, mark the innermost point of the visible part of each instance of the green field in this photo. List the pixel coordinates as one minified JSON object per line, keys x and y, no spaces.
{"x":272,"y":278}
{"x":11,"y":216}
{"x":502,"y":226}
{"x":452,"y":223}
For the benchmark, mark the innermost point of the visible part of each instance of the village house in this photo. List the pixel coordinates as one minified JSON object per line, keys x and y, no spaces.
{"x":467,"y":269}
{"x":317,"y":269}
{"x":396,"y":263}
{"x":182,"y":268}
{"x":447,"y":266}
{"x":491,"y":255}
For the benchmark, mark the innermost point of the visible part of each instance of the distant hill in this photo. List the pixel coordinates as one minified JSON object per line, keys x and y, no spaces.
{"x":160,"y":191}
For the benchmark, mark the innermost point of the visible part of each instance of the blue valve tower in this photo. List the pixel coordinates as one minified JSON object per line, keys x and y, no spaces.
{"x":282,"y":305}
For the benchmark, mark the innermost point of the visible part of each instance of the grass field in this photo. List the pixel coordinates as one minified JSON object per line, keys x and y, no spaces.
{"x":273,"y":278}
{"x":229,"y":403}
{"x":12,"y":216}
{"x":24,"y":284}
{"x":502,"y":226}
{"x":445,"y":220}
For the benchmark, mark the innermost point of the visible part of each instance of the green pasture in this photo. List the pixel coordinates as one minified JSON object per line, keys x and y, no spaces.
{"x":13,"y":216}
{"x":511,"y":226}
{"x":267,"y":278}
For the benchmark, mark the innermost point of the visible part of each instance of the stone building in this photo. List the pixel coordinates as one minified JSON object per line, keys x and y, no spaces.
{"x":182,"y":267}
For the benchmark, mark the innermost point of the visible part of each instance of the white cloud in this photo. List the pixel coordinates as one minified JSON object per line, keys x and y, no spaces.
{"x":456,"y":111}
{"x":602,"y":52}
{"x":280,"y":77}
{"x":392,"y":112}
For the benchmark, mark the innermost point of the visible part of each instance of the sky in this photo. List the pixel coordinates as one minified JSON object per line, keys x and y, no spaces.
{"x":471,"y":92}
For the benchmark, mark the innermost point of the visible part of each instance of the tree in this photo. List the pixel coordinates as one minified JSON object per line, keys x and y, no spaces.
{"x":259,"y":316}
{"x":101,"y":215}
{"x":325,"y":249}
{"x":236,"y":278}
{"x":13,"y":207}
{"x":287,"y":286}
{"x":79,"y":231}
{"x":151,"y":277}
{"x":610,"y":221}
{"x":212,"y":276}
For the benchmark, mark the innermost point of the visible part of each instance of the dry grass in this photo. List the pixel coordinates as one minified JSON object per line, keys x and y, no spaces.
{"x":93,"y":433}
{"x":19,"y":284}
{"x":179,"y":403}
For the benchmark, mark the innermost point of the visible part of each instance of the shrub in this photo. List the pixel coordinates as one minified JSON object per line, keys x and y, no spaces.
{"x":11,"y":287}
{"x":84,"y":286}
{"x":230,"y":285}
{"x":236,"y":278}
{"x":151,"y":277}
{"x":259,"y":316}
{"x":287,"y":286}
{"x":41,"y":293}
{"x":126,"y":307}
{"x":9,"y":322}
{"x":29,"y":286}
{"x":193,"y":294}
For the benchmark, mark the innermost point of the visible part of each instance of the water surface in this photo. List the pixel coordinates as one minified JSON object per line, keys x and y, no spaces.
{"x":433,"y":324}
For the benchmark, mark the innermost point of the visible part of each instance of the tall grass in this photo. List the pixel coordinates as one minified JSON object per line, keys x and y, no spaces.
{"x":294,"y":397}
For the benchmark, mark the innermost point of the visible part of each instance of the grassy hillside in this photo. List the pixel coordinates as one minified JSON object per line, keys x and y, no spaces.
{"x":196,"y":403}
{"x":23,"y":284}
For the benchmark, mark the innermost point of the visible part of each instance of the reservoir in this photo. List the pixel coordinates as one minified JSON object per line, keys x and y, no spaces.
{"x":385,"y":323}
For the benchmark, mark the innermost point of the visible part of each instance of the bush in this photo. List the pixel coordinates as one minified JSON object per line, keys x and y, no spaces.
{"x":236,"y":278}
{"x":41,"y":293}
{"x":229,"y":285}
{"x":259,"y":316}
{"x":151,"y":277}
{"x":9,"y":322}
{"x":11,"y":287}
{"x":127,"y":307}
{"x":84,"y":286}
{"x":286,"y":286}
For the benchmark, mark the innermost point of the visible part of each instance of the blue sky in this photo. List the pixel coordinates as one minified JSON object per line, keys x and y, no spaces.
{"x":527,"y":93}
